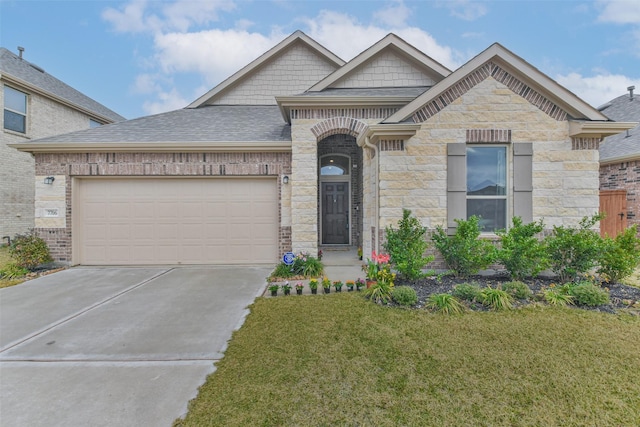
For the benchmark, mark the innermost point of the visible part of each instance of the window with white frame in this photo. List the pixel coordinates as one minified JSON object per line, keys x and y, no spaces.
{"x":15,"y":110}
{"x":487,"y":185}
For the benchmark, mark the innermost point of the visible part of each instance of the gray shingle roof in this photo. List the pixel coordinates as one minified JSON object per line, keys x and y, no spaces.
{"x":213,"y":123}
{"x":625,"y":144}
{"x":21,"y":69}
{"x":409,"y":92}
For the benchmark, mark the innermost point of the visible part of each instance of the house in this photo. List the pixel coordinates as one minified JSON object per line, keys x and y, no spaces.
{"x":35,"y":105}
{"x":300,"y":150}
{"x":620,"y":167}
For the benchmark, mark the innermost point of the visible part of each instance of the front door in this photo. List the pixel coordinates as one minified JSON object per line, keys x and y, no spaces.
{"x":335,"y":213}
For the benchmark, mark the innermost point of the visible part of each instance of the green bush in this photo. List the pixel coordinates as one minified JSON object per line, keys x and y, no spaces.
{"x":303,"y":265}
{"x":29,"y":251}
{"x":496,"y":299}
{"x":521,"y":252}
{"x":574,"y":251}
{"x":407,"y":246}
{"x":404,"y":295}
{"x":13,"y":271}
{"x":464,"y":252}
{"x":467,"y":291}
{"x":445,"y":304}
{"x":620,"y":256}
{"x":586,"y":293}
{"x":559,"y":297}
{"x":516,"y":289}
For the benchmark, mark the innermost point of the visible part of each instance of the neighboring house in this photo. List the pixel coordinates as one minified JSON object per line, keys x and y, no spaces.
{"x":620,"y":167}
{"x":35,"y":105}
{"x":299,"y":150}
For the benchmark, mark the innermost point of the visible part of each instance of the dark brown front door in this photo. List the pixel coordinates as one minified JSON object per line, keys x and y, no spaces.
{"x":335,"y":213}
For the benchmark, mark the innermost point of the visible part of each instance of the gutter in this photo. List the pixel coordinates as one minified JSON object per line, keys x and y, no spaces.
{"x":151,"y":147}
{"x":374,"y":148}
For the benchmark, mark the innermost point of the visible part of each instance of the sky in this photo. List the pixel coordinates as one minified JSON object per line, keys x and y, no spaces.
{"x":142,"y":57}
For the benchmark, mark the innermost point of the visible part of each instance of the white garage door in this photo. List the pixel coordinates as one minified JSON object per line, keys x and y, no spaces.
{"x":175,"y":221}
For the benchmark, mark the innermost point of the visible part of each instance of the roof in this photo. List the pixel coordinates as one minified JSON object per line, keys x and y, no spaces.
{"x":260,"y":125}
{"x":24,"y":73}
{"x":389,"y":42}
{"x":574,"y":106}
{"x":297,"y":37}
{"x":625,"y":145}
{"x":409,"y":92}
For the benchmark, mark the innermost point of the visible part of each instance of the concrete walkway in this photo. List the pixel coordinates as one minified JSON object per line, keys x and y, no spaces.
{"x":116,"y":346}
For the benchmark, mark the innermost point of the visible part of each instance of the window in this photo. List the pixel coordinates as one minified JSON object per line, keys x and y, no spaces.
{"x":94,"y":124}
{"x":487,"y":186}
{"x":334,"y":165}
{"x":15,"y":110}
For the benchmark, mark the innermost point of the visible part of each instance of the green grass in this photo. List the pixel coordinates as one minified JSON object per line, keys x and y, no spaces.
{"x":634,"y":279}
{"x":341,"y":360}
{"x":4,"y":260}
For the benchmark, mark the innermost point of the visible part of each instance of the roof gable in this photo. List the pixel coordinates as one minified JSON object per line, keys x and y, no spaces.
{"x":391,"y":62}
{"x":33,"y":78}
{"x":288,"y":68}
{"x":501,"y":64}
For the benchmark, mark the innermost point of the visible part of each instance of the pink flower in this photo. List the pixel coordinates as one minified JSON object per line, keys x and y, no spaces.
{"x":380,"y":258}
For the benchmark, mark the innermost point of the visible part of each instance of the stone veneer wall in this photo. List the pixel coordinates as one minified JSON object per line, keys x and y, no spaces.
{"x":565,"y":172}
{"x":624,"y":176}
{"x":65,"y":166}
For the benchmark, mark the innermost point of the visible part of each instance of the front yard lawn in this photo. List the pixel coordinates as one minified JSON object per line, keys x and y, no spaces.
{"x":342,"y":360}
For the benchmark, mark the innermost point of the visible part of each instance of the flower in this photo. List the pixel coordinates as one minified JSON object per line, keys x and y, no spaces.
{"x":286,"y":286}
{"x":326,"y":283}
{"x":375,"y":264}
{"x":359,"y":283}
{"x":350,"y":283}
{"x":299,"y":286}
{"x":313,"y":284}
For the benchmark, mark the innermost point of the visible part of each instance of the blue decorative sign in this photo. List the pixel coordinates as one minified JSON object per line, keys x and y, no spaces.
{"x":288,"y":258}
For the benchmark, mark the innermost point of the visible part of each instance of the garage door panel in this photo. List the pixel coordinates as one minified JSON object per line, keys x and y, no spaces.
{"x":198,"y":221}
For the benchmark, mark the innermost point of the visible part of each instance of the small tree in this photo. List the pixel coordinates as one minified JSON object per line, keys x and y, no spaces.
{"x":29,"y":251}
{"x":407,"y":246}
{"x":464,"y":252}
{"x":620,"y":256}
{"x":574,"y":251}
{"x":521,"y":252}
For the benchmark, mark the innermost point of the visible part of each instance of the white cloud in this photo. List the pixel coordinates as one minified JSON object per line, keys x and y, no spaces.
{"x":395,"y":15}
{"x":214,"y":54}
{"x":166,"y":101}
{"x":620,"y":11}
{"x":153,"y":17}
{"x":465,"y":9}
{"x":331,"y":29}
{"x":598,"y":89}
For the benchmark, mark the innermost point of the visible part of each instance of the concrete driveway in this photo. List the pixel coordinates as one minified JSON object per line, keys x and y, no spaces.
{"x":116,"y":346}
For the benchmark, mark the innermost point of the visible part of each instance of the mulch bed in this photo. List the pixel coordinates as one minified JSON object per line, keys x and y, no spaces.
{"x":621,"y":296}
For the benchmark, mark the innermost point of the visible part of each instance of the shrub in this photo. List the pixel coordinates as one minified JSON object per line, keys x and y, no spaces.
{"x":404,"y":295}
{"x":516,"y":289}
{"x":303,"y":265}
{"x":495,"y":298}
{"x":573,"y":251}
{"x":586,"y":293}
{"x":445,"y":304}
{"x":521,"y":252}
{"x":467,"y":291}
{"x":557,"y":297}
{"x":620,"y":256}
{"x":464,"y":252}
{"x":407,"y":246}
{"x":382,"y":290}
{"x":13,"y":271}
{"x":29,"y":251}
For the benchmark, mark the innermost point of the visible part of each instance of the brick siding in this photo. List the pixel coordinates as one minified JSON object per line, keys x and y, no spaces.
{"x":155,"y":164}
{"x":624,"y":176}
{"x":495,"y":71}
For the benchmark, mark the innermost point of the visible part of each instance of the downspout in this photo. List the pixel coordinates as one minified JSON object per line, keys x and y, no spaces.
{"x":368,"y":144}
